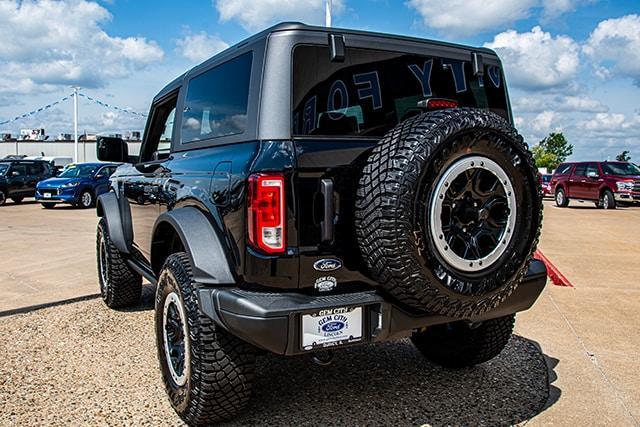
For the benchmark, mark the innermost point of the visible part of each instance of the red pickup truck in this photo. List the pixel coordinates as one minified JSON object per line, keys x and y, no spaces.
{"x":605,"y":183}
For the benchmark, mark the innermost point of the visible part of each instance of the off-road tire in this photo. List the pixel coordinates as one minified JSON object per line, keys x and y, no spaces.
{"x":391,"y":211}
{"x":561,"y":199}
{"x":48,"y":205}
{"x":221,"y":366}
{"x":17,"y":200}
{"x":607,"y":200}
{"x":460,"y":345}
{"x":120,"y":285}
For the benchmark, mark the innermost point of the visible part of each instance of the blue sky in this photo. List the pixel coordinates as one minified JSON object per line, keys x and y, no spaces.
{"x":572,"y":65}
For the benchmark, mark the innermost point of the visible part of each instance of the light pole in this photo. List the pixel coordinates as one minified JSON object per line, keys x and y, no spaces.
{"x":327,"y":13}
{"x":75,"y":124}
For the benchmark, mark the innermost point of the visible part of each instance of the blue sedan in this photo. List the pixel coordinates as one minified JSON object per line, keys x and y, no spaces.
{"x":79,"y":184}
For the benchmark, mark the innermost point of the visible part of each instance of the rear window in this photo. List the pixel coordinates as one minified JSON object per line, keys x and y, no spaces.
{"x":373,"y":90}
{"x":216,"y":102}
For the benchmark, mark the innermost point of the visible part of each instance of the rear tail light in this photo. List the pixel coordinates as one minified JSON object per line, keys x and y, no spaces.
{"x":437,"y":104}
{"x":266,"y":213}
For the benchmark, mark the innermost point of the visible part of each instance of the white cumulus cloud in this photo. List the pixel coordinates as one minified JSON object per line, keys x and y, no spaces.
{"x":615,"y":45}
{"x":467,"y":17}
{"x":555,"y":8}
{"x":536,"y":60}
{"x":254,"y":15}
{"x":201,"y":46}
{"x":47,"y":44}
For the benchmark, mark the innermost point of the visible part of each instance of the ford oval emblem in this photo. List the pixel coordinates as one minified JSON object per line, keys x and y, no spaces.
{"x":327,"y":264}
{"x":334,"y":326}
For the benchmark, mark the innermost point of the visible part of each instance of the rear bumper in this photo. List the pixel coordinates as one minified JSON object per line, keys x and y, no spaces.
{"x":272,"y":321}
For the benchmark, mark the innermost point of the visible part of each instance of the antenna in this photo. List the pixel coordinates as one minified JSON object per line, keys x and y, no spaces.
{"x":327,"y":16}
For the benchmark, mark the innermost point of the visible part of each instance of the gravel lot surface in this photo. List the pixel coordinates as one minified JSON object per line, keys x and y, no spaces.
{"x":83,"y":364}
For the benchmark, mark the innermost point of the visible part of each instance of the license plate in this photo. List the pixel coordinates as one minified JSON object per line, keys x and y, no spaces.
{"x":331,"y":327}
{"x":47,"y":195}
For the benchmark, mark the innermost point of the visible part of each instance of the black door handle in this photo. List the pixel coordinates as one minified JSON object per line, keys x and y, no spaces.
{"x":326,"y":225}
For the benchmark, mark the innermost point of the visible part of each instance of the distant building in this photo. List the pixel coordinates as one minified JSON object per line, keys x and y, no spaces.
{"x":32,"y":135}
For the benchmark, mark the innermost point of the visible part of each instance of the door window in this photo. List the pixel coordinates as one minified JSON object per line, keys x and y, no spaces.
{"x":592,"y":168}
{"x":18,"y":170}
{"x":581,"y":170}
{"x":217,"y":100}
{"x":35,"y":169}
{"x":157,"y":144}
{"x":562,"y":169}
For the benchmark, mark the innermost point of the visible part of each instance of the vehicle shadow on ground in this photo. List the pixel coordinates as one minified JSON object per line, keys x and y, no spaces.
{"x":391,"y":383}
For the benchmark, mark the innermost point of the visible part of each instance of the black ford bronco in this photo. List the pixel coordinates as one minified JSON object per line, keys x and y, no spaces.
{"x":311,"y":189}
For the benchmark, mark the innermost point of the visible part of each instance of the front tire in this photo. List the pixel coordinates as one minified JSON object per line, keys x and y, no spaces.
{"x":607,"y":201}
{"x":17,"y":200}
{"x":459,"y":345}
{"x":3,"y":197}
{"x":207,"y":372}
{"x":120,"y":285}
{"x":561,"y":198}
{"x":85,"y":201}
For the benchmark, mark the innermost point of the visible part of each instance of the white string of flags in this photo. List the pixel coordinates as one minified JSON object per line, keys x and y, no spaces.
{"x":66,"y":98}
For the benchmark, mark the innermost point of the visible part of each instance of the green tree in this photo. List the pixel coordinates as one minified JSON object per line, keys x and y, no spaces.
{"x":623,"y":157}
{"x":551,"y":151}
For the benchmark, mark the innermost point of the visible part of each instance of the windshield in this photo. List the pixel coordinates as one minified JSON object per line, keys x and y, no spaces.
{"x":3,"y":168}
{"x":79,"y":171}
{"x":373,"y":90}
{"x":623,"y":169}
{"x":546,"y":178}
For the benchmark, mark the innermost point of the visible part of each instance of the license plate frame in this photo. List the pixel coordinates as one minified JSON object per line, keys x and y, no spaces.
{"x":331,"y":327}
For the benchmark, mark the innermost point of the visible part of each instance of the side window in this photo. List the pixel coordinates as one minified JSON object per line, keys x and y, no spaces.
{"x":104,"y":172}
{"x":35,"y":169}
{"x":592,"y":168}
{"x":18,"y":170}
{"x":217,"y":100}
{"x":581,"y":170}
{"x":157,"y":144}
{"x":562,"y":169}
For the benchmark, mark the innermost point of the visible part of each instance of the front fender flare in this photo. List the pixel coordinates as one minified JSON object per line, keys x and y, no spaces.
{"x":119,"y":228}
{"x":203,"y":244}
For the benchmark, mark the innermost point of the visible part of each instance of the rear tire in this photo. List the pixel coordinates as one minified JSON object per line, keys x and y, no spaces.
{"x":3,"y":197}
{"x":607,"y":200}
{"x":561,"y":198}
{"x":48,"y":205}
{"x":120,"y":285}
{"x":459,"y":345}
{"x":207,"y":372}
{"x":17,"y":200}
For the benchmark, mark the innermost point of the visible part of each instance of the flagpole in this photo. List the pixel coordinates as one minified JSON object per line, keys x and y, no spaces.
{"x":327,"y":13}
{"x":75,"y":124}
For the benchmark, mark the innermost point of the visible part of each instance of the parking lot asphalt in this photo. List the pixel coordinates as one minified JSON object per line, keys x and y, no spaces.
{"x":573,"y":359}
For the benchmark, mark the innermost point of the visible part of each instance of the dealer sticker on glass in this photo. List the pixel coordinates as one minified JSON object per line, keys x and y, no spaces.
{"x":331,"y":327}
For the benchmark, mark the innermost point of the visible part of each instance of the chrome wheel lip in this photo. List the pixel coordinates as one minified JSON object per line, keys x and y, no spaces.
{"x":179,"y":379}
{"x":86,"y":199}
{"x":435,"y":213}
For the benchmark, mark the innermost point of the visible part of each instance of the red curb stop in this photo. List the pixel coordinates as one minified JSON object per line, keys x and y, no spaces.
{"x":554,"y":274}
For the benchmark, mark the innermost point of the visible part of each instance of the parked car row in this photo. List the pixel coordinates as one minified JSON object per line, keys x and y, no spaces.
{"x":78,"y":184}
{"x":607,"y":184}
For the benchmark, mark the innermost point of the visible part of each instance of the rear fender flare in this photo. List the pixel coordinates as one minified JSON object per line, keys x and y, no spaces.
{"x":118,"y":220}
{"x":203,"y":244}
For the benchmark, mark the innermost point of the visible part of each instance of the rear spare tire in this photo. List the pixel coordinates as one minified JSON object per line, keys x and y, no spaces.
{"x":448,"y":211}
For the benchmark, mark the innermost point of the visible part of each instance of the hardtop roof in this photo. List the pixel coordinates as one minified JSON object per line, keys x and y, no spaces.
{"x":299,"y":26}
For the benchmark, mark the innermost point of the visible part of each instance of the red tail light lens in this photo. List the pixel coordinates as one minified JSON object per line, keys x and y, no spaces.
{"x":266,"y":214}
